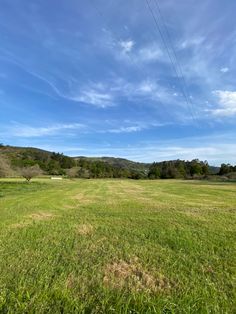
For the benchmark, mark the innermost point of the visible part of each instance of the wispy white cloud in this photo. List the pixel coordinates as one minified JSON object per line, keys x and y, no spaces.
{"x":216,"y":153}
{"x":147,"y":87}
{"x":9,"y":57}
{"x":202,"y":51}
{"x":227,"y":103}
{"x":127,"y":45}
{"x":129,"y":126}
{"x":150,"y":88}
{"x":191,"y":42}
{"x":224,"y":70}
{"x":132,"y":52}
{"x":128,"y":129}
{"x":156,"y":93}
{"x":22,"y":130}
{"x":216,"y":149}
{"x":107,"y":94}
{"x":94,"y":97}
{"x":150,"y":53}
{"x":93,"y":94}
{"x":146,"y":53}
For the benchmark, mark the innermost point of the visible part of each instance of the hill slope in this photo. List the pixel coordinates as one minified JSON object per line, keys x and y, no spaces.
{"x":13,"y":159}
{"x":118,"y":162}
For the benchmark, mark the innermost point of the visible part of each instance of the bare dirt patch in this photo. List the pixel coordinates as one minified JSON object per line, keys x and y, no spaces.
{"x":132,"y":276}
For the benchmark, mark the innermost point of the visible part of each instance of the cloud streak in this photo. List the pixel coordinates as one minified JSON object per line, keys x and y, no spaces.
{"x":224,"y":70}
{"x":27,"y":131}
{"x":127,"y":45}
{"x":227,"y":103}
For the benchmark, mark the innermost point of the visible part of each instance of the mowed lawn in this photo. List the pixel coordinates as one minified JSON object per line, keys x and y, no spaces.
{"x":117,"y":246}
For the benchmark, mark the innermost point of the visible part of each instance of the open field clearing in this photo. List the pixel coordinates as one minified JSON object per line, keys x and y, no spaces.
{"x":117,"y":246}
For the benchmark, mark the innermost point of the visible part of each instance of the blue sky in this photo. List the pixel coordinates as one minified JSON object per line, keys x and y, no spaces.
{"x":95,"y":78}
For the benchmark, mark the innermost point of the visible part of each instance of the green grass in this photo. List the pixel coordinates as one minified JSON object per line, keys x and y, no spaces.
{"x":117,"y":246}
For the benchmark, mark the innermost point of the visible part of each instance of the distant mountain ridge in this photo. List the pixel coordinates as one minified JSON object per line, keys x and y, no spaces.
{"x":118,"y":162}
{"x":13,"y":158}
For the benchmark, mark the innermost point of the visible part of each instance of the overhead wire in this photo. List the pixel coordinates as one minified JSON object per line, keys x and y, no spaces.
{"x":179,"y":66}
{"x":173,"y":61}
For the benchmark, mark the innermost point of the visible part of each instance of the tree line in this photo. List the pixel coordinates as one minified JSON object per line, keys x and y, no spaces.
{"x":42,"y":162}
{"x":178,"y":169}
{"x":226,"y":169}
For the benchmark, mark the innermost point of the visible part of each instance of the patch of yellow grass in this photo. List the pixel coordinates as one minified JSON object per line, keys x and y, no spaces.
{"x":40,"y":216}
{"x":195,"y":214}
{"x":128,"y":192}
{"x":85,"y":199}
{"x":85,"y":229}
{"x":132,"y":276}
{"x":20,"y":224}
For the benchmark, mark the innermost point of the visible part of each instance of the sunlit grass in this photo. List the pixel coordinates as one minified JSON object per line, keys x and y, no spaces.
{"x":117,"y":246}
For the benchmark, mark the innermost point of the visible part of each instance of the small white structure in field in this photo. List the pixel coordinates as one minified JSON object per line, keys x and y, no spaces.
{"x":56,"y":178}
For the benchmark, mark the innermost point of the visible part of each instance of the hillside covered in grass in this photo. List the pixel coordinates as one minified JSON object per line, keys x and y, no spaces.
{"x":13,"y":159}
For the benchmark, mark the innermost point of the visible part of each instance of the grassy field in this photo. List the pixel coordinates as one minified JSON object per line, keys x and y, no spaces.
{"x":117,"y":246}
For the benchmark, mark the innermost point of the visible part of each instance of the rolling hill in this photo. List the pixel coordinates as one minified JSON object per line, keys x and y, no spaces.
{"x":13,"y":159}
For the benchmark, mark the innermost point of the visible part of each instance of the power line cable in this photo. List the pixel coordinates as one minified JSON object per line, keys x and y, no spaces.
{"x":174,"y":52}
{"x":173,"y":62}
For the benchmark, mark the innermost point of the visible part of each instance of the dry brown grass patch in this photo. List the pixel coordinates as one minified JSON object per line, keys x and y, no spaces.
{"x":132,"y":276}
{"x":33,"y":217}
{"x":76,"y":286}
{"x":70,"y":282}
{"x":22,"y":224}
{"x":207,"y":269}
{"x":85,"y":199}
{"x":85,"y":229}
{"x":69,"y":206}
{"x":195,"y":215}
{"x":124,"y":188}
{"x":41,"y":216}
